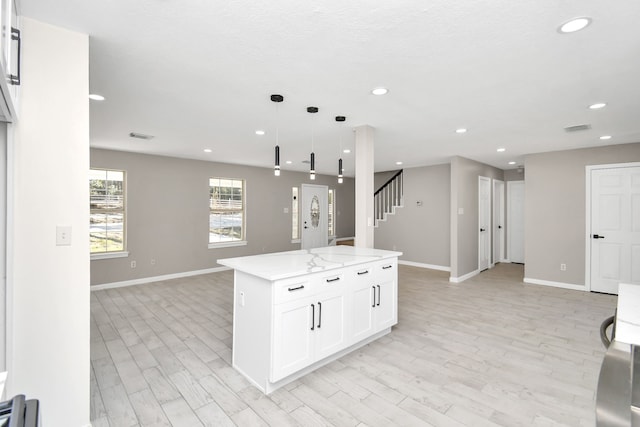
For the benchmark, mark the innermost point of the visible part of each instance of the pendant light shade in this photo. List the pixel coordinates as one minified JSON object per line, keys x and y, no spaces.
{"x":340,"y":119}
{"x":276,"y":168}
{"x":312,"y":171}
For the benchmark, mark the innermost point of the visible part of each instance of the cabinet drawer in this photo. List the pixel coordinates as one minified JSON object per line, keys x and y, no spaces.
{"x":292,"y":289}
{"x":363,"y":273}
{"x":386,"y":270}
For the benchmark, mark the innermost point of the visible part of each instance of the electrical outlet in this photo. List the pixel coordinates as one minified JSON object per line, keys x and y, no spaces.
{"x":133,"y":264}
{"x":563,"y":267}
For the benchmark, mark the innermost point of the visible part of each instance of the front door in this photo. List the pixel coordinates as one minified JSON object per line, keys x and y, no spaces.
{"x":315,"y":216}
{"x":615,"y":228}
{"x":484,"y":218}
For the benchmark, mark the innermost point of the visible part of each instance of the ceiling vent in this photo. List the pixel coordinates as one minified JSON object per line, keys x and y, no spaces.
{"x":577,"y":128}
{"x":140,"y":135}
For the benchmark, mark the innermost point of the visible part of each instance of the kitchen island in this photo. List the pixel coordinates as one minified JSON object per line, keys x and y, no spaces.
{"x":296,"y":311}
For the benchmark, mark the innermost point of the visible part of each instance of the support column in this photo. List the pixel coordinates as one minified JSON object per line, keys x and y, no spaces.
{"x":364,"y":187}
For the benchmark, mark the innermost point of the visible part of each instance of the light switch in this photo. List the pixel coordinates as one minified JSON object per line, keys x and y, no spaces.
{"x":460,"y":211}
{"x":286,"y":210}
{"x":63,"y":235}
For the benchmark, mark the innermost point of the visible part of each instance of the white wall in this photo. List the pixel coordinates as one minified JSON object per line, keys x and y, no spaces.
{"x":48,"y":285}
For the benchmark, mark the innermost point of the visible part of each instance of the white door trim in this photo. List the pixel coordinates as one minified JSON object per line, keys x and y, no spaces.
{"x":510,"y":184}
{"x":498,"y":219}
{"x":482,"y":179}
{"x":587,"y":234}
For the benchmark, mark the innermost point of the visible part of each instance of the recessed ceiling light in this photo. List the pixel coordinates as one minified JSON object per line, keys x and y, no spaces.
{"x":461,"y":130}
{"x":346,"y":150}
{"x":380,"y":91}
{"x":398,"y":163}
{"x":96,"y":97}
{"x":597,"y":105}
{"x":605,"y":137}
{"x":501,"y":150}
{"x":288,"y":162}
{"x":576,"y":24}
{"x":512,"y":163}
{"x":259,"y":132}
{"x":208,"y":150}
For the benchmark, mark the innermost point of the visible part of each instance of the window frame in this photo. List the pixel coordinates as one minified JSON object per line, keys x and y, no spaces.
{"x":243,"y":240}
{"x":119,"y":253}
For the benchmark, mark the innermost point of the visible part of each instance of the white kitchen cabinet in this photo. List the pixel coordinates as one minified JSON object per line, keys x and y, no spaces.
{"x":296,"y":311}
{"x":306,"y":331}
{"x":374,"y":304}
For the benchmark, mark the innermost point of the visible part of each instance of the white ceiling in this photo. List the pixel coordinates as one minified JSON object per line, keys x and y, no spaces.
{"x":198,"y":74}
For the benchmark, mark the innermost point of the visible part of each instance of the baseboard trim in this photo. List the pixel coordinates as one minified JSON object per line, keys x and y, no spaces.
{"x":465,"y":277}
{"x":562,"y":285}
{"x":144,"y":280}
{"x":422,"y":265}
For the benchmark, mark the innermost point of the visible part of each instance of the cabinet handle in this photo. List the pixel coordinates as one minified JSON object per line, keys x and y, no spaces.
{"x":378,"y":295}
{"x":319,"y":314}
{"x":386,"y":267}
{"x":295,"y":289}
{"x":14,"y":79}
{"x":360,"y":273}
{"x":374,"y":296}
{"x":313,"y":317}
{"x":335,"y":279}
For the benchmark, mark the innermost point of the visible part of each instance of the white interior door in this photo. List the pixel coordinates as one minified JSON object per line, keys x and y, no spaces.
{"x":315,"y":216}
{"x":484,"y":222}
{"x":515,"y":221}
{"x":615,"y":228}
{"x":498,"y":221}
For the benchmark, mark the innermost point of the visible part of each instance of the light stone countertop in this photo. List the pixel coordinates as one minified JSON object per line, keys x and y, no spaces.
{"x":282,"y":265}
{"x":628,"y":314}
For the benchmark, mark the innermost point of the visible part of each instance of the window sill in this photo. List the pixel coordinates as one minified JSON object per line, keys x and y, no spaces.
{"x":227,"y":244}
{"x":109,"y":255}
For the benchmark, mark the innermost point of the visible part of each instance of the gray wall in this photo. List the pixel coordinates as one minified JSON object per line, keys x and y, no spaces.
{"x":167,"y":213}
{"x":555,"y":217}
{"x":464,"y":228}
{"x":380,"y":178}
{"x":3,"y":244}
{"x":514,"y":175}
{"x":420,"y":232}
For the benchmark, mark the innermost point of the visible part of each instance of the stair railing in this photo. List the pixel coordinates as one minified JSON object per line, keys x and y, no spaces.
{"x":388,"y":197}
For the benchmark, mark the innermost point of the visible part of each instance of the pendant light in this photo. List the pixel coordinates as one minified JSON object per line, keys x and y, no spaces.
{"x":312,"y":171}
{"x":276,"y":168}
{"x":340,"y":119}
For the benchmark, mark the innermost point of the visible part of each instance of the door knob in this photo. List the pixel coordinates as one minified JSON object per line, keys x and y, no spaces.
{"x":596,"y":236}
{"x":482,"y":229}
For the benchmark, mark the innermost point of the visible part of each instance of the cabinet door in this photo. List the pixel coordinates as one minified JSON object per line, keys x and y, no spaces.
{"x":362,"y":312}
{"x":292,"y":337}
{"x":330,"y":332}
{"x":386,"y":310}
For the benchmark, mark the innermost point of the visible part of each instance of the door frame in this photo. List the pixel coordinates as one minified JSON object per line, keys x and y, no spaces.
{"x":509,"y":230}
{"x":587,"y":234}
{"x":324,"y":208}
{"x":498,"y":219}
{"x":489,"y":225}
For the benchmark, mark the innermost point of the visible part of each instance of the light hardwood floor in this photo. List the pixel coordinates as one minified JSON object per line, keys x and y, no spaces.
{"x":490,"y":351}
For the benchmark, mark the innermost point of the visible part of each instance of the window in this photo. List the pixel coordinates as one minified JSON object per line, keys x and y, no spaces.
{"x":295,"y":216}
{"x":332,"y":213}
{"x":226,"y":211}
{"x":107,"y":211}
{"x":295,"y":221}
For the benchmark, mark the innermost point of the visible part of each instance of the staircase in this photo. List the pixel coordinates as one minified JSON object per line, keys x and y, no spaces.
{"x":387,"y":198}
